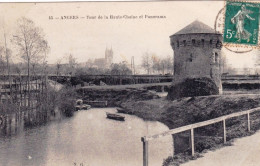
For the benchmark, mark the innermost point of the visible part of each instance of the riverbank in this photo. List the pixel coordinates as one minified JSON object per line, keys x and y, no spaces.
{"x":115,"y":95}
{"x":80,"y":140}
{"x":196,"y":109}
{"x":245,"y":152}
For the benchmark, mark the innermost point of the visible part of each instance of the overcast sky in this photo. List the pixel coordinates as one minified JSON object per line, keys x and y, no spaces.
{"x":86,"y":38}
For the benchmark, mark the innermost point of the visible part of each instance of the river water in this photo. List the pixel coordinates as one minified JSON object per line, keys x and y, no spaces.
{"x":86,"y":139}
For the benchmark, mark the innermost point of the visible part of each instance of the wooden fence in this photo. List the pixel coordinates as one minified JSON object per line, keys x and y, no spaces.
{"x":191,"y":127}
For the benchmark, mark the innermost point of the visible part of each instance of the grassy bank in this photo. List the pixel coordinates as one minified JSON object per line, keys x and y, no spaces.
{"x":196,"y":109}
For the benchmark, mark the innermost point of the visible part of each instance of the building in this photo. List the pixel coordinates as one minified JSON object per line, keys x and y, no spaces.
{"x":102,"y":62}
{"x":197,"y":51}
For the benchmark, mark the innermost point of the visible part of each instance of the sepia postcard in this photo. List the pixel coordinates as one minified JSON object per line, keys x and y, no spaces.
{"x":141,"y":83}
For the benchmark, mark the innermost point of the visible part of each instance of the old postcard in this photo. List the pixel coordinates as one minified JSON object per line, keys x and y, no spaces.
{"x":159,"y":83}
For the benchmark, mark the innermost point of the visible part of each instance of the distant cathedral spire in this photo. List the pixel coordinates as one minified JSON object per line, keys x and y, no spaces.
{"x":109,"y":56}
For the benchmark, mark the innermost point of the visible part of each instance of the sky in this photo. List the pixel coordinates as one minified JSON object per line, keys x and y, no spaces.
{"x":88,"y":38}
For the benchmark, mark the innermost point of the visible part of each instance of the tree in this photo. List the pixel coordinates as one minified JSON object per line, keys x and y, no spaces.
{"x":168,"y":64}
{"x":147,"y":62}
{"x":120,"y":69}
{"x":156,"y":64}
{"x":2,"y":59}
{"x":223,"y":63}
{"x":72,"y":64}
{"x":30,"y":43}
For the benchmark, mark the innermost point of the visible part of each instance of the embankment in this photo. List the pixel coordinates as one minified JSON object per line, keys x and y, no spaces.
{"x":196,"y":109}
{"x":115,"y":95}
{"x":147,"y":105}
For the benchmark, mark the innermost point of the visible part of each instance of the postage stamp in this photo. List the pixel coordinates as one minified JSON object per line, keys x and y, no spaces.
{"x":242,"y":23}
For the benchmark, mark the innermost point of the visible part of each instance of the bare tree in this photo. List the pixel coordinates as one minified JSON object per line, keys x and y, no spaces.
{"x":168,"y":64}
{"x":147,"y":62}
{"x":30,"y":43}
{"x":2,"y":59}
{"x":72,"y":64}
{"x":156,"y":64}
{"x":223,"y":63}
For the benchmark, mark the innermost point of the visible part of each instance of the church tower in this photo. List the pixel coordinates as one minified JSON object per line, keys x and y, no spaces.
{"x":109,"y":57}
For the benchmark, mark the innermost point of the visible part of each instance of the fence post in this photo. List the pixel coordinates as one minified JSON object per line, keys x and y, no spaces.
{"x":173,"y":148}
{"x":192,"y":141}
{"x":224,"y":129}
{"x":145,"y":151}
{"x":248,"y":121}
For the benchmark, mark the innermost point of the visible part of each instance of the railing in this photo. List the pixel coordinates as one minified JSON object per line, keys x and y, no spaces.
{"x":191,"y":127}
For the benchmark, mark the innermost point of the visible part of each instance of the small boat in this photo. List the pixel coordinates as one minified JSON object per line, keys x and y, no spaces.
{"x":120,"y":110}
{"x":124,"y":111}
{"x":115,"y":116}
{"x":81,"y":106}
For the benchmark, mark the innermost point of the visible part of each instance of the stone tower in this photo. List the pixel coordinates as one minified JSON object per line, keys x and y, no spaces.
{"x":109,"y":56}
{"x":197,"y":52}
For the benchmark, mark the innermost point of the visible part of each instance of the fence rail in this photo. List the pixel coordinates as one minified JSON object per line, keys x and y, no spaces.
{"x":191,"y":127}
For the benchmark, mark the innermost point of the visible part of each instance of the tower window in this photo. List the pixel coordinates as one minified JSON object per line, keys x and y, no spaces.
{"x":178,"y":44}
{"x":193,"y":42}
{"x":190,"y":59}
{"x":218,"y":44}
{"x":202,"y":42}
{"x":184,"y":42}
{"x":216,"y":57}
{"x":210,"y":42}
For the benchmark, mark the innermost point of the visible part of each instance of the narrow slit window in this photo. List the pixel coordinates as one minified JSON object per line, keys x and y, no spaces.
{"x":216,"y":57}
{"x":193,"y":42}
{"x":218,"y":44}
{"x":202,"y":42}
{"x":190,"y":59}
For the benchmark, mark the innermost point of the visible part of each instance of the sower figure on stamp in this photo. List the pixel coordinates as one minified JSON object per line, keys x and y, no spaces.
{"x":238,"y":19}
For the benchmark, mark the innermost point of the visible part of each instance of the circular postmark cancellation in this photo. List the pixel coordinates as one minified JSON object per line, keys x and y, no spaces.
{"x":238,"y":21}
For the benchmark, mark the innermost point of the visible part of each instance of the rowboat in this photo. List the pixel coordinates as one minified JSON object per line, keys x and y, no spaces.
{"x":120,"y":110}
{"x":123,"y":111}
{"x":81,"y":106}
{"x":115,"y":116}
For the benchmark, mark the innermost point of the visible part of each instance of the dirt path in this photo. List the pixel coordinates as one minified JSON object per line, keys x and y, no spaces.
{"x":244,"y":152}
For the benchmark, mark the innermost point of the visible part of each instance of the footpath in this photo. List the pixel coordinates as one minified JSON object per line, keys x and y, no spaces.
{"x":244,"y":152}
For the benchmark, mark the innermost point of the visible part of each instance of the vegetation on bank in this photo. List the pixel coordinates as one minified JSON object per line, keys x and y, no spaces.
{"x":190,"y":110}
{"x":66,"y":101}
{"x":43,"y":106}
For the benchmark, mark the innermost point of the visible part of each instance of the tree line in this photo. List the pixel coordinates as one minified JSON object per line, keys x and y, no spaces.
{"x":154,"y":64}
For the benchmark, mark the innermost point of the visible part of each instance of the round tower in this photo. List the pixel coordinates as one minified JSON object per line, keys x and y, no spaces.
{"x":197,"y":53}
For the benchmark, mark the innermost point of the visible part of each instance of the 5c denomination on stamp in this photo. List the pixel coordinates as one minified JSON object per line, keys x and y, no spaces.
{"x":241,"y":23}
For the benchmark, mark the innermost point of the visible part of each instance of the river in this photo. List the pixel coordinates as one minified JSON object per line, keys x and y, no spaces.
{"x":86,"y":139}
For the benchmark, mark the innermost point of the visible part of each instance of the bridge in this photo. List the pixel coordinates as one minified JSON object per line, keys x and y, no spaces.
{"x":96,"y":79}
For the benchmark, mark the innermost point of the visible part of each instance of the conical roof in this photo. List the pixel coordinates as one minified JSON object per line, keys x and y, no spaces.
{"x":196,"y":27}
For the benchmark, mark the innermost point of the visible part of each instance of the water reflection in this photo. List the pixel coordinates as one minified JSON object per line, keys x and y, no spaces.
{"x":88,"y":138}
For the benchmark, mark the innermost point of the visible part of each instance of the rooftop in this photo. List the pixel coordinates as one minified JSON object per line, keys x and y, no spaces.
{"x":196,"y":27}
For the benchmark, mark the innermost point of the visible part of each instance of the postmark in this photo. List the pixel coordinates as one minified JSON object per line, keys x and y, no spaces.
{"x":233,"y":47}
{"x":241,"y":24}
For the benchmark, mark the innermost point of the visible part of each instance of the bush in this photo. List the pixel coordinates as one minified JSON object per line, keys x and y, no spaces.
{"x":66,"y":101}
{"x":193,"y":87}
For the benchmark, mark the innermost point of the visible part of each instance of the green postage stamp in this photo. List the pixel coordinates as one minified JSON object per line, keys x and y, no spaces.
{"x":241,"y":23}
